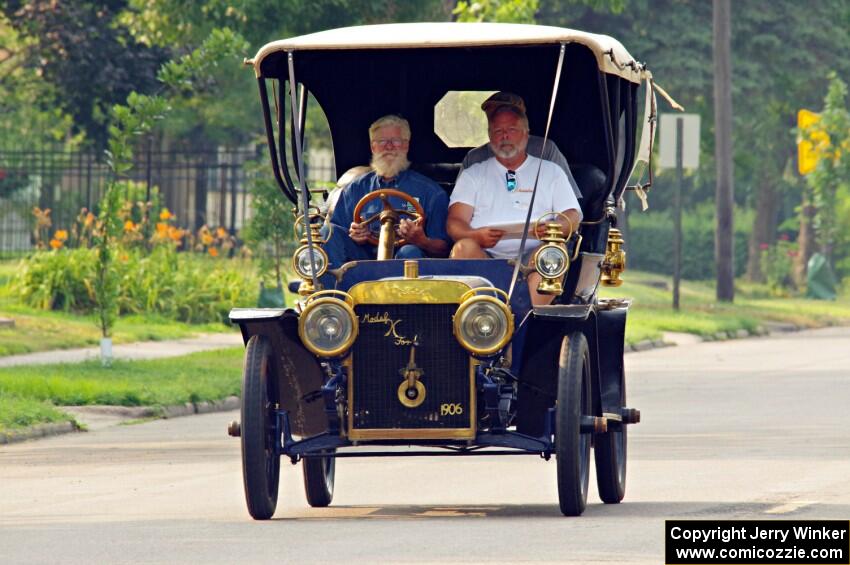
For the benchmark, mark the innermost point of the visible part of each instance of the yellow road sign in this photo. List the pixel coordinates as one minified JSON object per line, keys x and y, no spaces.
{"x":807,"y":154}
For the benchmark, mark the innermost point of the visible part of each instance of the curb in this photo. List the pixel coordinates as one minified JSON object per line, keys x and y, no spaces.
{"x":39,"y":431}
{"x":130,"y":412}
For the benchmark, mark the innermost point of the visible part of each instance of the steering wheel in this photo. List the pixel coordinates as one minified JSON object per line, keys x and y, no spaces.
{"x":388,"y":211}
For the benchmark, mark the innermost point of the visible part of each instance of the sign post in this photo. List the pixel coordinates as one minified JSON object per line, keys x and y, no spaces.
{"x":679,"y":149}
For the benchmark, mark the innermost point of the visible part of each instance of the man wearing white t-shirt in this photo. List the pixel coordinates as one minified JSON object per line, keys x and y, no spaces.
{"x":498,"y":191}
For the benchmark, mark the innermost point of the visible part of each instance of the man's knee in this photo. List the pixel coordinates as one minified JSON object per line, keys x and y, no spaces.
{"x":467,"y":248}
{"x":409,"y":252}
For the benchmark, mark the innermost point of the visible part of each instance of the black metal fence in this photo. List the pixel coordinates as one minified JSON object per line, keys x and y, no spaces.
{"x":199,"y":188}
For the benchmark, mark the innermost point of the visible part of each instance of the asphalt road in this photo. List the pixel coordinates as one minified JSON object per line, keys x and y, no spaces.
{"x":756,"y":428}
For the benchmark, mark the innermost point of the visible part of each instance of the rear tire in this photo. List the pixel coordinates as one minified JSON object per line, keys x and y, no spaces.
{"x":319,"y":480}
{"x":260,"y":464}
{"x":610,"y":454}
{"x":572,"y":447}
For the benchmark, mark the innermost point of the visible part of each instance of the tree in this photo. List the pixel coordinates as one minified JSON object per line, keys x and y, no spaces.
{"x":780,"y":52}
{"x":830,"y":138}
{"x":82,"y":51}
{"x":725,"y":237}
{"x":29,"y":113}
{"x":137,"y":118}
{"x":516,"y":11}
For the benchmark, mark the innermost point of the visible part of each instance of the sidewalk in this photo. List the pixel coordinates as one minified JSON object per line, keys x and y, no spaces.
{"x":139,"y":350}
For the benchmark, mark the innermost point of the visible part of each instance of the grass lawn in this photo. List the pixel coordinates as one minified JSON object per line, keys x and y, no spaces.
{"x":208,"y":375}
{"x":42,"y":330}
{"x":700,"y":314}
{"x":17,"y":413}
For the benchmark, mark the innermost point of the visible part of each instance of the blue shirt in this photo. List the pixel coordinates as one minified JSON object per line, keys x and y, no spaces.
{"x":432,"y":198}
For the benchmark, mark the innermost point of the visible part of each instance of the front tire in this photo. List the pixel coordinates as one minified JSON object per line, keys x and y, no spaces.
{"x":609,"y":450}
{"x":260,"y":464}
{"x":319,"y":475}
{"x":572,"y":447}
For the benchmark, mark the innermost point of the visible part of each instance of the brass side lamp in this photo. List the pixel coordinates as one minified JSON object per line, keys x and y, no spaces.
{"x":615,"y":259}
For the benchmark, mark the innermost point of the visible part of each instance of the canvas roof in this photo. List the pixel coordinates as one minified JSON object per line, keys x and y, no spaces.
{"x":611,"y":56}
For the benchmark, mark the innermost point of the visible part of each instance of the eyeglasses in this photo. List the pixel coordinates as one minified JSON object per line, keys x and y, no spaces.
{"x":391,"y":141}
{"x":510,"y":180}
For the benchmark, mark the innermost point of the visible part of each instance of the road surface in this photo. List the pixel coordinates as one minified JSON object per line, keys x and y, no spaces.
{"x":755,"y":428}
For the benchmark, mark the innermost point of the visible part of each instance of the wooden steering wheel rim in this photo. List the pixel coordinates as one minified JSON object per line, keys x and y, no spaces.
{"x":387,"y":192}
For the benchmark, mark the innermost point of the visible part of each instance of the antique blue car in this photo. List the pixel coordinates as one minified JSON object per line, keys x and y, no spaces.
{"x":439,"y":356}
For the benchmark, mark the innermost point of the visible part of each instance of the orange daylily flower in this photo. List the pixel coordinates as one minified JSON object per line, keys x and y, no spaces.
{"x":206,"y":238}
{"x":55,"y":244}
{"x":213,"y":251}
{"x":61,"y":235}
{"x":221,"y":233}
{"x":129,"y":225}
{"x":161,"y":228}
{"x":165,"y":215}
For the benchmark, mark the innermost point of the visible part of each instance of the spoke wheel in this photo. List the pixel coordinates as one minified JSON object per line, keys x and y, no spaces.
{"x":260,"y":464}
{"x":319,"y":480}
{"x":572,"y":447}
{"x":609,"y":450}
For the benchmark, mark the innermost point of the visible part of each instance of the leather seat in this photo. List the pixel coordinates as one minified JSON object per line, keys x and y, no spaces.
{"x":591,"y":182}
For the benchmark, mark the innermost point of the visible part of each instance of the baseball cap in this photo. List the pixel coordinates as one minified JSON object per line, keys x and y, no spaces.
{"x":502,"y":99}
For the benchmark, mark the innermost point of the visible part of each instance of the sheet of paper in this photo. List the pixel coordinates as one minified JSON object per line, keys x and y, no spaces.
{"x":513,"y":230}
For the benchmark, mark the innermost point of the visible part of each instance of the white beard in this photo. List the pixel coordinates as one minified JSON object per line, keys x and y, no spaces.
{"x":508,"y":150}
{"x":389,"y":165}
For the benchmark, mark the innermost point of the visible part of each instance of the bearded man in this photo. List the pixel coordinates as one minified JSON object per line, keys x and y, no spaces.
{"x":389,"y":139}
{"x":498,"y":192}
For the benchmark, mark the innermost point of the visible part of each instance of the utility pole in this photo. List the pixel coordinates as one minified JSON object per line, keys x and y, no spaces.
{"x":677,"y":214}
{"x":724,"y":242}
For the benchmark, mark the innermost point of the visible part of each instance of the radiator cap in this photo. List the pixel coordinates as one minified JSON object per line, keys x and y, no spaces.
{"x":411,"y":269}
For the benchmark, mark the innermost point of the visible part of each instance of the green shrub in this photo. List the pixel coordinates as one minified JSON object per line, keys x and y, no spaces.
{"x":62,"y":279}
{"x":178,"y":286}
{"x":777,"y":264}
{"x":650,"y":242}
{"x":183,"y":286}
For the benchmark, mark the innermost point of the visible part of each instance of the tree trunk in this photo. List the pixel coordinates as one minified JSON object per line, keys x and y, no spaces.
{"x":805,"y":240}
{"x":724,"y":238}
{"x":764,"y":225}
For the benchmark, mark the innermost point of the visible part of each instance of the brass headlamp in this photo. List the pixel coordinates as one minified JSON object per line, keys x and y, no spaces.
{"x":302,"y":262}
{"x":328,"y":325}
{"x":483,"y":323}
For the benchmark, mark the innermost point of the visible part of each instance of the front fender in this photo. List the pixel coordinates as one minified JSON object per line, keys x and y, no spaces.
{"x":297,"y":369}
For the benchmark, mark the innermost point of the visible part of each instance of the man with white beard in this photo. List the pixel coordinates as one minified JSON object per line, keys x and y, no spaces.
{"x":498,"y":192}
{"x":389,"y":139}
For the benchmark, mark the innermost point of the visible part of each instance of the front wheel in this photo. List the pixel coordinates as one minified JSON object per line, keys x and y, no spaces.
{"x":319,"y":475}
{"x":572,"y":447}
{"x":260,"y":463}
{"x":609,"y":450}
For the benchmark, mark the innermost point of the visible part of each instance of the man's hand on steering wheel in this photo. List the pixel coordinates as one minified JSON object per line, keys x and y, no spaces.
{"x":412,"y":209}
{"x":412,"y":232}
{"x":359,"y":233}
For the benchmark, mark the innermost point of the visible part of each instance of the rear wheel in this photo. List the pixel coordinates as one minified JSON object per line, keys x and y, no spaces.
{"x":572,"y":447}
{"x":319,"y":480}
{"x":610,"y":453}
{"x":260,"y":464}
